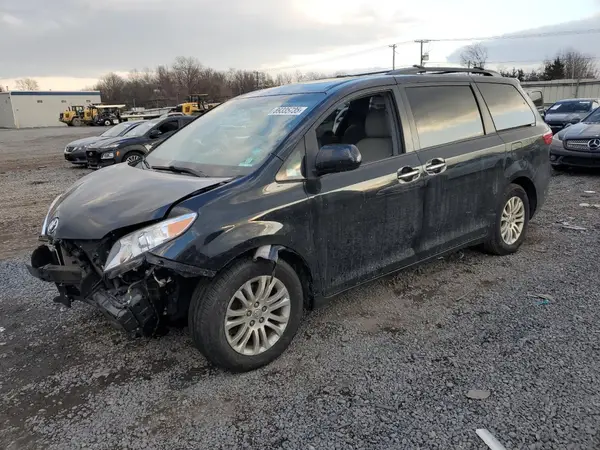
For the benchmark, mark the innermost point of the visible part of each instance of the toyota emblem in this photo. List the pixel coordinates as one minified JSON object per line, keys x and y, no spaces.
{"x":53,"y":225}
{"x":594,"y":144}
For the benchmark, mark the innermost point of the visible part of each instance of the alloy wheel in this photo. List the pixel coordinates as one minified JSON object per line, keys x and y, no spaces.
{"x":257,"y":315}
{"x":513,"y":220}
{"x":132,"y":159}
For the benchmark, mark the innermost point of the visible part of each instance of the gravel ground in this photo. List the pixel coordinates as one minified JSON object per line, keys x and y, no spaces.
{"x":386,"y":366}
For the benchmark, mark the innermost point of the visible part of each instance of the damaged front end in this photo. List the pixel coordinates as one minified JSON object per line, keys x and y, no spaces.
{"x":137,"y":291}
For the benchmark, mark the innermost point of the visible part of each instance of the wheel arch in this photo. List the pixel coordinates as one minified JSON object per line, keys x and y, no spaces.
{"x":527,"y":184}
{"x":274,"y":253}
{"x":131,"y":148}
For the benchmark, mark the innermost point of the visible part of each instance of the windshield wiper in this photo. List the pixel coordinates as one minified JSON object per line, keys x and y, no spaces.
{"x":179,"y":169}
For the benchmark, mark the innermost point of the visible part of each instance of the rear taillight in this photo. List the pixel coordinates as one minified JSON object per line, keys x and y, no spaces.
{"x":547,"y":138}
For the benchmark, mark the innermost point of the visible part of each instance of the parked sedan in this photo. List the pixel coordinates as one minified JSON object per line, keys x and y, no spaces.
{"x":133,"y":145}
{"x":577,"y":145}
{"x":569,"y":111}
{"x":75,"y":151}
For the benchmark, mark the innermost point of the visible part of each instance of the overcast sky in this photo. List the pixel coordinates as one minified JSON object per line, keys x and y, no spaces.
{"x":70,"y":43}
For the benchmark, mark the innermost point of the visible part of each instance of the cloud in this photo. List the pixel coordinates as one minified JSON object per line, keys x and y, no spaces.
{"x":11,"y":20}
{"x":90,"y":37}
{"x":531,"y":50}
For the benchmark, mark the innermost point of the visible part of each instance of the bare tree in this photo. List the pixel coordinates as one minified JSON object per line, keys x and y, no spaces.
{"x":577,"y":65}
{"x":187,"y":72}
{"x":111,"y":87}
{"x":284,"y":78}
{"x":27,"y":84}
{"x":474,"y":55}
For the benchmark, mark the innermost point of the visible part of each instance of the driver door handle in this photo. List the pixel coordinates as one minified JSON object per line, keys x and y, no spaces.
{"x":435,"y":166}
{"x":408,"y":174}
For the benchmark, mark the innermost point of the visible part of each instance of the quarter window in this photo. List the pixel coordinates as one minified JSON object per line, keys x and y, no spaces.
{"x":444,"y":114}
{"x":507,"y":106}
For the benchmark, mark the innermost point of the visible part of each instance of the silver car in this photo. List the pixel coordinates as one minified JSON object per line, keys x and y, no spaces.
{"x":569,"y":111}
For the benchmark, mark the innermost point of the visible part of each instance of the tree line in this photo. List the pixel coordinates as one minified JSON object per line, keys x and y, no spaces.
{"x":566,"y":64}
{"x":169,"y":85}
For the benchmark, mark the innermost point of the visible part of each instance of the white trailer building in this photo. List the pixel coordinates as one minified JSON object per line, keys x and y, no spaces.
{"x":29,"y":109}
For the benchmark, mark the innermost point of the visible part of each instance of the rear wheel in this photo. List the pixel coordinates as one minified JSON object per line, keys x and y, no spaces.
{"x":512,"y":220}
{"x":133,"y":157}
{"x":76,"y":122}
{"x":107,"y":122}
{"x":248,"y":315}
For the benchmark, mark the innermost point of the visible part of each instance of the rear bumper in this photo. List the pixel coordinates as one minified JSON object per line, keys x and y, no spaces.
{"x":559,"y":156}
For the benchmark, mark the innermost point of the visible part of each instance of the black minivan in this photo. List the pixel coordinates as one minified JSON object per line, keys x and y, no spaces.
{"x":279,"y":199}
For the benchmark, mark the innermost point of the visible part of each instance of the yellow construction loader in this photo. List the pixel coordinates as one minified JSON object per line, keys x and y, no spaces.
{"x":75,"y":116}
{"x":195,"y":105}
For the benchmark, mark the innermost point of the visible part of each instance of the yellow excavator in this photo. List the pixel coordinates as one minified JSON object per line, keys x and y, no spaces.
{"x":194,"y":105}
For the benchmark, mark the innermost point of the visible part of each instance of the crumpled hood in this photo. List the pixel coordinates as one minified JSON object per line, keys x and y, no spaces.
{"x":120,"y":196}
{"x":580,"y":131}
{"x":564,"y":117}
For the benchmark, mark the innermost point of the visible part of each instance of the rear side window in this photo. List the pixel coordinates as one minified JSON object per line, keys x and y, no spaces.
{"x":507,"y":106}
{"x":444,"y":114}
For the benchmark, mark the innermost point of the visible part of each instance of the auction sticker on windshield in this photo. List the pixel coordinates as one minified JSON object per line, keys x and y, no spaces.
{"x":288,"y":111}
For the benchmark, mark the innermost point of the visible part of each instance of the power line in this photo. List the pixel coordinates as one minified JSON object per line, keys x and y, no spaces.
{"x":463,"y":39}
{"x":520,"y":36}
{"x":591,"y":58}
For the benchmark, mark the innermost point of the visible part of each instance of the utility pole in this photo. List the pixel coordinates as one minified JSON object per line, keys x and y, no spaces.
{"x":393,"y":47}
{"x":422,"y":41}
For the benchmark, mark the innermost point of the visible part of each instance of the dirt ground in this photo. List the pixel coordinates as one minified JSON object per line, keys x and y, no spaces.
{"x":32,"y":173}
{"x":388,"y":365}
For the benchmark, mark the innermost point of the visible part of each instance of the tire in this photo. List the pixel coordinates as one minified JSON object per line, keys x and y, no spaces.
{"x":497,"y":245}
{"x":107,"y":122}
{"x":132,"y":157}
{"x":211,"y":303}
{"x":76,"y":122}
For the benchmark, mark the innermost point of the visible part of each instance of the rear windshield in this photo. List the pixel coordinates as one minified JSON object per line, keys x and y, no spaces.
{"x":570,"y":107}
{"x":237,"y":136}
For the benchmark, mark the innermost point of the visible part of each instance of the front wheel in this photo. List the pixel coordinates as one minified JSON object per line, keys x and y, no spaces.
{"x":248,"y":315}
{"x":133,"y":157}
{"x":107,"y":122}
{"x":512,"y":220}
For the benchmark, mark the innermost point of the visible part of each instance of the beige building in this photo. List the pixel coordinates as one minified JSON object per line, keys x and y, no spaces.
{"x":32,"y":109}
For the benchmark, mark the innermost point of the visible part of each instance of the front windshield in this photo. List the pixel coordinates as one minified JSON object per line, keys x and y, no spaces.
{"x":578,"y":106}
{"x":237,"y":136}
{"x":117,"y":130}
{"x":593,"y":117}
{"x":142,"y":128}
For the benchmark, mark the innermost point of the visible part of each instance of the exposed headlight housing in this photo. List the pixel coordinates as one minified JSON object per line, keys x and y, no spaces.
{"x":556,"y":138}
{"x":45,"y":224}
{"x":130,"y":247}
{"x":108,"y":155}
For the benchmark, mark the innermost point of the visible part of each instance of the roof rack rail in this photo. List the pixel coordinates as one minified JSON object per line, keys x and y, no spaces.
{"x":380,"y":72}
{"x":415,"y":70}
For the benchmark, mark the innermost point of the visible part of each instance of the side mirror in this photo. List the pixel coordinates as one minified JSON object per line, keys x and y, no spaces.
{"x":337,"y":158}
{"x":575,"y":120}
{"x":154,"y":134}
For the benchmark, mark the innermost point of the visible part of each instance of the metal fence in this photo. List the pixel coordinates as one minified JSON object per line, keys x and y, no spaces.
{"x":556,"y":90}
